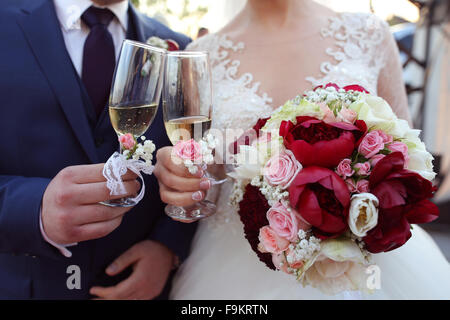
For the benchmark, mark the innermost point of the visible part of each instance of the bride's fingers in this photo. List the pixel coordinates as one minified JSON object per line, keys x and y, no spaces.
{"x":173,"y":164}
{"x":181,"y":184}
{"x":180,"y":199}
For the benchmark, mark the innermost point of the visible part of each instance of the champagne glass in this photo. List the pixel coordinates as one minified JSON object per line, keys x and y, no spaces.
{"x":187,"y":107}
{"x":135,"y":94}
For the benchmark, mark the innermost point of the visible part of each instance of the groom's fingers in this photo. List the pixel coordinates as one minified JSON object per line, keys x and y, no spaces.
{"x":94,"y":213}
{"x":180,"y":199}
{"x":90,"y":173}
{"x":97,"y":229}
{"x":96,"y":192}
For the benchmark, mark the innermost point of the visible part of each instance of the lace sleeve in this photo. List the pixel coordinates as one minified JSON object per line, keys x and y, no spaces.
{"x":390,"y":81}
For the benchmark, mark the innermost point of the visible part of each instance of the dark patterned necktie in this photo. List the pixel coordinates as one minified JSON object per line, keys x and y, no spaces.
{"x":99,"y":57}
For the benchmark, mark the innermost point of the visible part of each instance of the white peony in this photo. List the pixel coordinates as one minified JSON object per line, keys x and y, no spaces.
{"x":339,"y":266}
{"x":363,"y":213}
{"x":375,"y":111}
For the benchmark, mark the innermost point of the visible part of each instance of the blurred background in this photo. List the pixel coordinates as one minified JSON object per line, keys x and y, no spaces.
{"x":422,"y":31}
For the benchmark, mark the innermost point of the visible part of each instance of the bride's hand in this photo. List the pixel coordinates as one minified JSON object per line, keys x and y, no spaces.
{"x":176,"y":185}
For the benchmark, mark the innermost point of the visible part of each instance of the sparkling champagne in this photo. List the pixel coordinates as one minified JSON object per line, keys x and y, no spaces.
{"x":185,"y":128}
{"x":134,"y":120}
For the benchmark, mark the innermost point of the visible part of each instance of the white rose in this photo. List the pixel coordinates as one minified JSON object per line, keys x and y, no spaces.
{"x":363,"y":213}
{"x":339,"y":266}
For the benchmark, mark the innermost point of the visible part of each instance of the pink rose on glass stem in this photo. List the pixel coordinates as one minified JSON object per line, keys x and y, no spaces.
{"x":188,"y":150}
{"x":400,"y":147}
{"x":281,"y":169}
{"x":371,"y":144}
{"x":127,"y":141}
{"x":374,"y":160}
{"x":363,"y":168}
{"x":344,"y":168}
{"x":285,"y":222}
{"x":269,"y":241}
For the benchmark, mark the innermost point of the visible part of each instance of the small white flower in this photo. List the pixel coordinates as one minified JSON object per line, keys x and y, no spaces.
{"x":363,"y":213}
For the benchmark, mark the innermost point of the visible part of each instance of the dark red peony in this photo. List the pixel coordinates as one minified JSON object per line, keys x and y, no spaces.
{"x":403,"y":197}
{"x":315,"y":142}
{"x":322,"y":198}
{"x":252,"y":211}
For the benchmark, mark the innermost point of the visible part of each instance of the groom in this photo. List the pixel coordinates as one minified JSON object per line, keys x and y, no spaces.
{"x":56,"y":241}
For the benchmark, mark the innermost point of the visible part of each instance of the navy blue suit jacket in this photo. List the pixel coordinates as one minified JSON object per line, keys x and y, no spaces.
{"x":46,"y":124}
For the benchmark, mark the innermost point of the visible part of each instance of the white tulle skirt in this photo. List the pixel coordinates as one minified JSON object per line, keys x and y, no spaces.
{"x":223,"y":266}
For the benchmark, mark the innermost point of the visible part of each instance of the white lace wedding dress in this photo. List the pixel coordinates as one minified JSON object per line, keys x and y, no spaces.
{"x":222,"y":264}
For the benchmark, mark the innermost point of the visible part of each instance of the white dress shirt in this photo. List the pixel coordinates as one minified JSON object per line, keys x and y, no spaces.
{"x":75,"y":30}
{"x":75,"y":33}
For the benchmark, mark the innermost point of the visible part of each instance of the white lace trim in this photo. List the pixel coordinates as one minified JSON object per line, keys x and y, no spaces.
{"x":357,"y":35}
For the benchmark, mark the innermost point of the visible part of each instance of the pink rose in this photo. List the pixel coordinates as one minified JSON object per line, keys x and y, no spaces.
{"x":279,"y":261}
{"x":361,"y":186}
{"x":269,"y":241}
{"x":371,"y":144}
{"x":351,"y":185}
{"x":374,"y":160}
{"x":328,"y":115}
{"x":344,"y":168}
{"x":363,"y":168}
{"x":284,"y":222}
{"x":347,"y":115}
{"x":127,"y":141}
{"x":400,"y":147}
{"x":281,"y":169}
{"x":386,"y":137}
{"x":188,"y":150}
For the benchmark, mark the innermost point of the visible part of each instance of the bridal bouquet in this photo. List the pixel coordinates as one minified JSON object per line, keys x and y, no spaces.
{"x":330,"y":178}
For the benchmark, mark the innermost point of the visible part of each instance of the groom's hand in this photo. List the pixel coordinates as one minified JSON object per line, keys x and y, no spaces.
{"x":151,"y":263}
{"x":70,"y":206}
{"x":176,"y":185}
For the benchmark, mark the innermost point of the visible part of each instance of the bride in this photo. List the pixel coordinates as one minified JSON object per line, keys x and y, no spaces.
{"x":272,"y":51}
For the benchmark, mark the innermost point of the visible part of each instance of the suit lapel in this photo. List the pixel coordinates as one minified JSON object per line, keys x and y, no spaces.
{"x":42,"y":30}
{"x":143,"y":29}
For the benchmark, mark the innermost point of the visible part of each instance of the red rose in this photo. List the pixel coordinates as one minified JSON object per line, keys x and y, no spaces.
{"x":252,"y":211}
{"x":322,"y":198}
{"x":315,"y":142}
{"x":403,"y":197}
